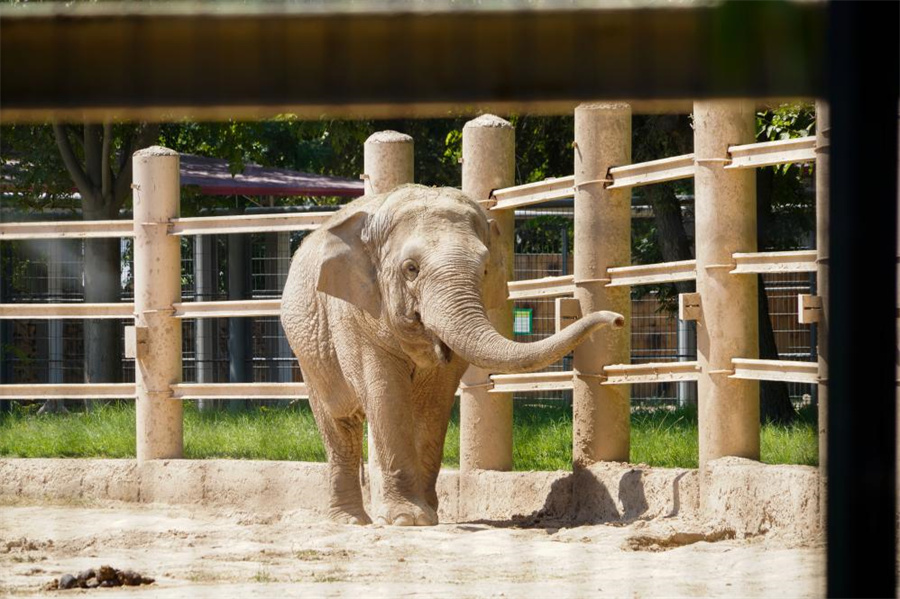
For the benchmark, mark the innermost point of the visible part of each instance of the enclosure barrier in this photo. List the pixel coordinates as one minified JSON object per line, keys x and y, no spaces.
{"x":485,"y":420}
{"x":725,"y":255}
{"x":601,"y":415}
{"x":388,"y":161}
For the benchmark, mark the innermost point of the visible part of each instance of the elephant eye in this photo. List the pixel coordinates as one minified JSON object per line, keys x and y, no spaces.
{"x":410,"y":269}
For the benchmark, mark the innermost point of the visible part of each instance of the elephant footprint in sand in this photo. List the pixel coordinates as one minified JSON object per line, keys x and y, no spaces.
{"x":385,"y":307}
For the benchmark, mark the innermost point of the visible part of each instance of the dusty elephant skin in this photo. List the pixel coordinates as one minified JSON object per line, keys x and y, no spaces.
{"x":385,"y":307}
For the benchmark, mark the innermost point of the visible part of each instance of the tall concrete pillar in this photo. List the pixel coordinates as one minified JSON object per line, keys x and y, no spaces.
{"x":725,"y":213}
{"x":387,"y":162}
{"x":489,"y":161}
{"x":823,"y":136}
{"x":157,"y":285}
{"x":601,"y":413}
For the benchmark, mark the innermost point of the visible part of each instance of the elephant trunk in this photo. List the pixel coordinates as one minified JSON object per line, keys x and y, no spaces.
{"x":459,"y":319}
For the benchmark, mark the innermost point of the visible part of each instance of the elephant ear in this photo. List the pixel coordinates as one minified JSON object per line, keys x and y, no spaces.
{"x":346,"y":271}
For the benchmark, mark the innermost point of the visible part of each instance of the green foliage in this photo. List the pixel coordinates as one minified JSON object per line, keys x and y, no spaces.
{"x":542,"y":434}
{"x":788,"y":121}
{"x":543,"y":234}
{"x":33,"y":168}
{"x":786,"y":188}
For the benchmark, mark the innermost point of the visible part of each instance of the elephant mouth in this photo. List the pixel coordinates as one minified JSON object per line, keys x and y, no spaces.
{"x":420,"y":343}
{"x":442,"y":350}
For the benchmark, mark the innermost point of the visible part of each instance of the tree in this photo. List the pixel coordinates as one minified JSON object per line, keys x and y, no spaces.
{"x":784,"y":214}
{"x":97,"y":161}
{"x":100,"y":166}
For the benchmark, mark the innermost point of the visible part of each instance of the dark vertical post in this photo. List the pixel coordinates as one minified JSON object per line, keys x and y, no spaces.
{"x":863,"y":93}
{"x":206,"y":281}
{"x":240,"y":368}
{"x":564,"y":238}
{"x":5,"y":337}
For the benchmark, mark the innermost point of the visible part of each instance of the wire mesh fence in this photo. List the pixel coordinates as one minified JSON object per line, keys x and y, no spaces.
{"x":214,"y":350}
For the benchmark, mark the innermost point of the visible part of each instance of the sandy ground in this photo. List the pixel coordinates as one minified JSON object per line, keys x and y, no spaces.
{"x":206,"y":553}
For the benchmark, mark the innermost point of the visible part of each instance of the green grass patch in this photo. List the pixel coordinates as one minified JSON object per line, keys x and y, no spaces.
{"x":542,"y":435}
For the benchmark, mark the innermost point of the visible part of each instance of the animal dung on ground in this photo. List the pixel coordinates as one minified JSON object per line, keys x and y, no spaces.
{"x":104,"y":576}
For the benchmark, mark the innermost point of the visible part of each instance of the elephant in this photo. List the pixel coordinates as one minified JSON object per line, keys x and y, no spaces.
{"x":384,"y":307}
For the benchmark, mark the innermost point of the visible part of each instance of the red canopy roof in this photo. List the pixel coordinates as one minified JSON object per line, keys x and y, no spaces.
{"x":212,"y":176}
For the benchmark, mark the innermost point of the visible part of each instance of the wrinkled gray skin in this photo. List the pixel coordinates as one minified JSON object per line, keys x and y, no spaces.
{"x":384,"y":307}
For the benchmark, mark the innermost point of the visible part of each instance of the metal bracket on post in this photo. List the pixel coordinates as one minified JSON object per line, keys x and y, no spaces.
{"x":568,"y":310}
{"x":689,"y":307}
{"x":136,"y":342}
{"x":809,"y":308}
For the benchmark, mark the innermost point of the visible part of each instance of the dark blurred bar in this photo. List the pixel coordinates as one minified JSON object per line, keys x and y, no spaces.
{"x":211,"y":60}
{"x":864,"y":63}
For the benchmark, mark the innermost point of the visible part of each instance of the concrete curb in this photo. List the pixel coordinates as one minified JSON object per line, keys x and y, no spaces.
{"x":741,"y":495}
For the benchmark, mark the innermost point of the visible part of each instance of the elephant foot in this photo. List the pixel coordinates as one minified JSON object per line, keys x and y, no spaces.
{"x":406,"y":513}
{"x":343,"y":515}
{"x":431,"y":499}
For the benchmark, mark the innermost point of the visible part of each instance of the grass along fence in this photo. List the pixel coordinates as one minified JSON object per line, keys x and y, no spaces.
{"x":542,"y":435}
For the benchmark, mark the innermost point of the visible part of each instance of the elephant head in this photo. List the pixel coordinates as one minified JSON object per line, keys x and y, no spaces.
{"x":416,"y":262}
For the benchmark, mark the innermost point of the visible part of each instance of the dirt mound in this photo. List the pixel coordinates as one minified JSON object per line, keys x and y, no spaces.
{"x":194,"y":551}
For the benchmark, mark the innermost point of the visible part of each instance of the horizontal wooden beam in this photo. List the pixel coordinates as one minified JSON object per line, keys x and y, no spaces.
{"x":542,"y":288}
{"x":228,"y":309}
{"x":73,"y":310}
{"x":179,"y":391}
{"x":69,"y":391}
{"x":785,"y":151}
{"x":510,"y":198}
{"x":171,"y":60}
{"x":775,"y":370}
{"x":239,"y":390}
{"x":223,"y":309}
{"x":247,"y":223}
{"x":651,"y":274}
{"x":652,"y":372}
{"x":654,"y":171}
{"x":75,"y":229}
{"x":774,"y":262}
{"x":532,"y":381}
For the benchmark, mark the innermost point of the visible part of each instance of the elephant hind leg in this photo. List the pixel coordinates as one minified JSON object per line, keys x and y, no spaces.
{"x":343,"y":444}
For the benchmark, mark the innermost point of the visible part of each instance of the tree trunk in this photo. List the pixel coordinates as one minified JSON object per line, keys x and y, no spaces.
{"x":774,"y":400}
{"x":673,"y":240}
{"x":103,"y":191}
{"x":102,"y":268}
{"x":102,"y":343}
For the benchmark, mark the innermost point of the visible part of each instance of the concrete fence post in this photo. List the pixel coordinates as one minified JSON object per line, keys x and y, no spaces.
{"x":823,"y":134}
{"x":725,"y":213}
{"x":157,"y":285}
{"x":601,"y":413}
{"x":488,"y":149}
{"x":387,"y":162}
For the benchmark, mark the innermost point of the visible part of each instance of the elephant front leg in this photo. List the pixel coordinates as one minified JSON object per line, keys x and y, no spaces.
{"x":343,"y":444}
{"x":432,"y":404}
{"x":390,"y":423}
